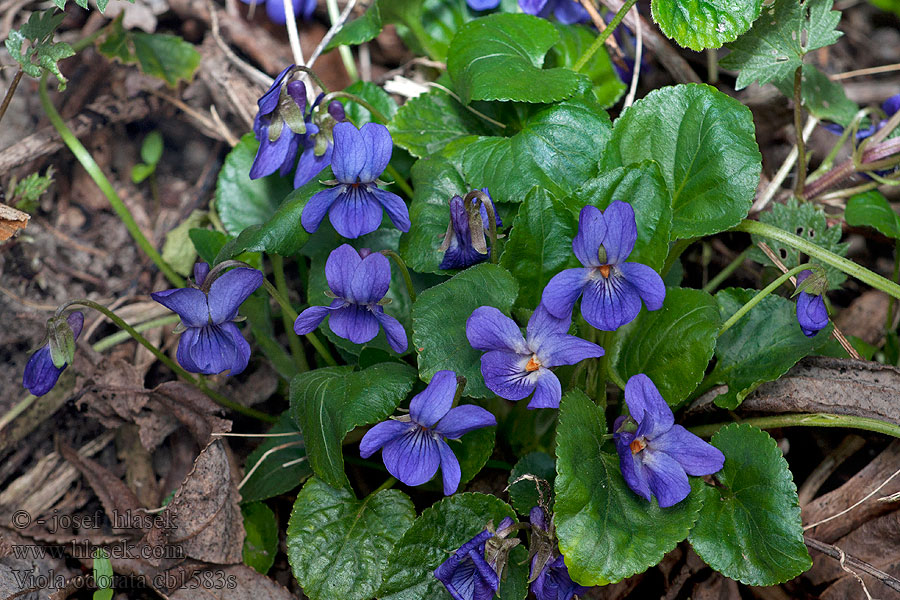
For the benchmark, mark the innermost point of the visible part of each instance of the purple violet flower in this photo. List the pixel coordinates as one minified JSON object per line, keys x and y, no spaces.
{"x":890,"y":108}
{"x":459,"y":251}
{"x":415,"y":444}
{"x":354,"y":205}
{"x":567,"y":12}
{"x":275,"y":9}
{"x":811,"y":312}
{"x":211,"y":342}
{"x":613,"y":289}
{"x":552,"y":581}
{"x":658,"y":456}
{"x":467,"y":574}
{"x":279,"y":125}
{"x":40,"y":373}
{"x":318,"y":143}
{"x":513,"y":367}
{"x":483,"y":4}
{"x":358,"y":283}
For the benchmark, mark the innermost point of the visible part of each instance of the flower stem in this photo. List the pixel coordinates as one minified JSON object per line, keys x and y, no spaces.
{"x":847,"y":266}
{"x":798,"y":126}
{"x":675,"y":252}
{"x":334,"y":15}
{"x":398,"y":179}
{"x":293,"y":340}
{"x":404,"y":271}
{"x":10,"y":92}
{"x":377,"y":114}
{"x":120,"y":336}
{"x":725,"y":273}
{"x":758,"y":297}
{"x":218,"y":398}
{"x":391,"y":481}
{"x":602,"y":37}
{"x":807,"y":420}
{"x":288,"y":310}
{"x":889,"y":323}
{"x":87,"y":161}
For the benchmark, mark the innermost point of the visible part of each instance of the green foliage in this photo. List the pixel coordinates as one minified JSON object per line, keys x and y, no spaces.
{"x":760,"y":347}
{"x":823,"y":98}
{"x":41,"y":52}
{"x":178,"y":250}
{"x":261,"y":541}
{"x":151,"y":152}
{"x":438,"y":532}
{"x":774,"y":47}
{"x":606,"y":531}
{"x":270,"y":477}
{"x":103,"y":575}
{"x":573,"y":42}
{"x":701,"y":24}
{"x":473,"y":450}
{"x":24,"y":194}
{"x":527,"y":493}
{"x":167,"y":57}
{"x":672,"y":346}
{"x":359,"y":30}
{"x":749,"y":528}
{"x":328,"y":403}
{"x":439,"y":322}
{"x":374,"y":95}
{"x":871,"y":209}
{"x":705,"y":145}
{"x":339,"y":546}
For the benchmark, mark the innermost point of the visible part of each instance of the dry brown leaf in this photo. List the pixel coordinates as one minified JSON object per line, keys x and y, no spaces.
{"x":11,"y":220}
{"x":115,"y":393}
{"x":240,"y":583}
{"x":193,"y":409}
{"x":876,"y":542}
{"x":865,"y":316}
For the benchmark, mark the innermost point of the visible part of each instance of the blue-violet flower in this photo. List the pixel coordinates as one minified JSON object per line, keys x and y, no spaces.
{"x":658,"y":456}
{"x":468,"y":574}
{"x":40,"y":373}
{"x":460,"y":241}
{"x":275,"y":9}
{"x":354,"y":204}
{"x":211,"y":342}
{"x":811,"y":312}
{"x":514,"y":366}
{"x":358,"y":284}
{"x":567,"y":12}
{"x":483,"y":4}
{"x":890,"y":108}
{"x":415,"y":444}
{"x":613,"y":289}
{"x":549,"y":577}
{"x":279,"y":125}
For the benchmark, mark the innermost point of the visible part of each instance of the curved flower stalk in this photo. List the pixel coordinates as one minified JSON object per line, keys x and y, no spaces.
{"x":40,"y":373}
{"x":415,"y":445}
{"x":612,"y":288}
{"x":358,"y":283}
{"x":514,"y":366}
{"x":355,"y":204}
{"x":211,"y":342}
{"x":657,"y":457}
{"x":473,"y":572}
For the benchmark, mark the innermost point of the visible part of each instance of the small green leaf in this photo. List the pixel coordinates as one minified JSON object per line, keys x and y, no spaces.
{"x":241,"y":201}
{"x":751,"y":530}
{"x":473,"y":451}
{"x":167,"y":57}
{"x":605,"y":530}
{"x":701,"y":24}
{"x":438,"y":532}
{"x":823,"y":98}
{"x":178,"y":250}
{"x":280,"y":471}
{"x":573,"y":42}
{"x":359,"y":30}
{"x":103,"y":575}
{"x":439,"y":322}
{"x":152,"y":148}
{"x":49,"y":54}
{"x":760,"y":347}
{"x":871,"y":209}
{"x":672,"y":346}
{"x":140,"y":172}
{"x":374,"y":95}
{"x":526,"y":493}
{"x":705,"y":145}
{"x":261,"y":541}
{"x":338,"y":546}
{"x":328,"y":403}
{"x":499,"y":57}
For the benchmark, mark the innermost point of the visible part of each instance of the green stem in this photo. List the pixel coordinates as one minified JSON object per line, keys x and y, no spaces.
{"x":200,"y":383}
{"x":87,"y":41}
{"x":287,"y":309}
{"x":403,"y":271}
{"x":758,"y":297}
{"x":847,"y":266}
{"x":10,"y":92}
{"x":346,"y":55}
{"x":602,"y":37}
{"x":293,"y":340}
{"x":675,"y":252}
{"x":425,"y":40}
{"x":87,"y":161}
{"x":315,"y":78}
{"x":725,"y":273}
{"x":807,"y":420}
{"x":890,"y":314}
{"x":120,"y":336}
{"x":798,"y":125}
{"x":379,"y":116}
{"x":391,"y":481}
{"x":398,"y":179}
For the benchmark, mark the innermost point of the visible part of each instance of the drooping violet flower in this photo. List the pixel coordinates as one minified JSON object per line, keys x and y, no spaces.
{"x":211,"y":342}
{"x":279,"y":125}
{"x":890,"y":108}
{"x":358,"y":283}
{"x":275,"y":9}
{"x":658,"y":456}
{"x":513,"y":367}
{"x":613,"y":289}
{"x":40,"y":373}
{"x":483,"y":4}
{"x":811,"y":312}
{"x":549,"y":576}
{"x":567,"y":12}
{"x":318,"y":143}
{"x":473,"y":571}
{"x":415,"y":444}
{"x":460,"y":241}
{"x":354,"y":205}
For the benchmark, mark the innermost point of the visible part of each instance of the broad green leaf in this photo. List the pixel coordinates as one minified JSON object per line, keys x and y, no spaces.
{"x":271,"y":477}
{"x":871,"y":209}
{"x":705,"y":145}
{"x":526,"y":493}
{"x":438,"y":532}
{"x":672,"y":346}
{"x":499,"y":57}
{"x":539,"y":244}
{"x":760,"y":347}
{"x":374,"y":95}
{"x":773,"y":48}
{"x":167,"y":57}
{"x":809,"y":222}
{"x":473,"y":451}
{"x":558,"y":148}
{"x":261,"y":542}
{"x":338,"y":546}
{"x":823,"y":98}
{"x":241,"y":201}
{"x":749,"y":529}
{"x":573,"y":42}
{"x":207,"y":242}
{"x":439,"y":322}
{"x":328,"y":403}
{"x":178,"y":250}
{"x":606,"y":531}
{"x":701,"y":24}
{"x":641,"y":185}
{"x":359,"y":30}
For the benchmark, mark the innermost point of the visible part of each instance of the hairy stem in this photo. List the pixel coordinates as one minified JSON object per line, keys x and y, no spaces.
{"x":404,"y":271}
{"x":807,"y":420}
{"x":759,"y":296}
{"x":798,"y":126}
{"x":725,"y":273}
{"x":288,"y":310}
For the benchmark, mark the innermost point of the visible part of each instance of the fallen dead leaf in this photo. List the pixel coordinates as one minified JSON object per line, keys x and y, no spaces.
{"x":11,"y":220}
{"x":238,"y":582}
